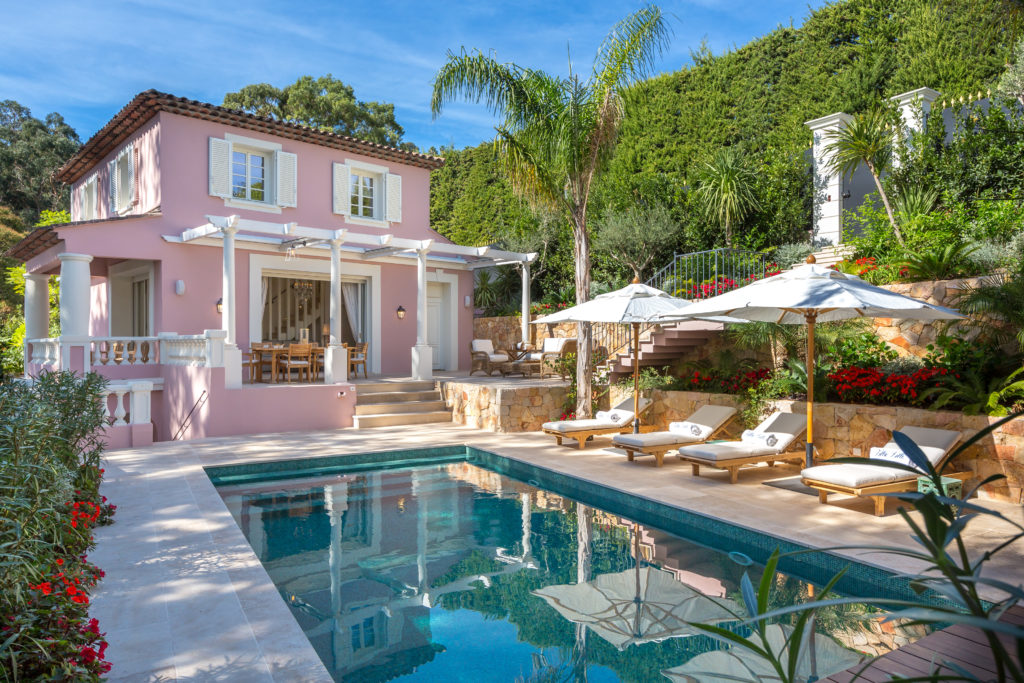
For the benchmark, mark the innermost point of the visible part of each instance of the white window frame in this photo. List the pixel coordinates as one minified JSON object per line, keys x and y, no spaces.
{"x":89,"y":192}
{"x":268,"y":150}
{"x":132,"y":271}
{"x":380,"y":174}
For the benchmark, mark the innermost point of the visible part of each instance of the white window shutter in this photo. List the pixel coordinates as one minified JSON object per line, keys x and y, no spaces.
{"x":287,"y":179}
{"x":393,"y":195}
{"x":342,"y":198}
{"x":112,"y":195}
{"x":94,"y":190}
{"x":220,"y":168}
{"x":133,"y":187}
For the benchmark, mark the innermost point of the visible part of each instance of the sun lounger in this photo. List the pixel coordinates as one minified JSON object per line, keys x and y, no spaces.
{"x":777,"y":439}
{"x":871,"y":480}
{"x":704,"y":424}
{"x":618,"y":420}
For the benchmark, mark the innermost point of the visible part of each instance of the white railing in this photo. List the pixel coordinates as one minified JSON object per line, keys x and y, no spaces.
{"x":130,"y":400}
{"x":194,"y":350}
{"x":118,"y":351}
{"x":44,"y":351}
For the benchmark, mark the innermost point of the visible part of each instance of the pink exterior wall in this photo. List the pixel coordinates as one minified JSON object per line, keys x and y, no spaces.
{"x":147,"y":174}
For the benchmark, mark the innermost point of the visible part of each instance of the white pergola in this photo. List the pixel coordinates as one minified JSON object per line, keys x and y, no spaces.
{"x":291,"y":237}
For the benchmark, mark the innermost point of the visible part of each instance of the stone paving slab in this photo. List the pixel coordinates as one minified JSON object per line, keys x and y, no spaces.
{"x":186,"y":599}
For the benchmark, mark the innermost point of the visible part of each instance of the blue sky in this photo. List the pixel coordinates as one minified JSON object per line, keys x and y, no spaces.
{"x":87,"y":59}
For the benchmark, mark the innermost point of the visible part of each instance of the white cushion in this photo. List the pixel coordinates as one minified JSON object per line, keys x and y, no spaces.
{"x":890,"y":453}
{"x":760,"y":439}
{"x":694,"y":431}
{"x":854,"y":475}
{"x":712,"y":416}
{"x":726,"y":450}
{"x":553,"y":345}
{"x":497,"y":357}
{"x":482,"y":346}
{"x":619,"y":417}
{"x":934,"y":443}
{"x":566,"y":426}
{"x":653,"y":439}
{"x":533,"y":356}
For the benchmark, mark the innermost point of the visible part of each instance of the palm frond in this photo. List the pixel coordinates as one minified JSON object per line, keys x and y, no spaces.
{"x":867,"y":139}
{"x":503,"y":88}
{"x":630,"y":50}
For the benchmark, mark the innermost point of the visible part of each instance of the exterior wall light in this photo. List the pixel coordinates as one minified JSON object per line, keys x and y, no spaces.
{"x":400,"y":312}
{"x":220,"y":305}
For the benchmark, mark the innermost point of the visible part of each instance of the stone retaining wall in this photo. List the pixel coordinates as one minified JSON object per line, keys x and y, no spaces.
{"x":504,"y":331}
{"x":845,"y":429}
{"x":504,"y":407}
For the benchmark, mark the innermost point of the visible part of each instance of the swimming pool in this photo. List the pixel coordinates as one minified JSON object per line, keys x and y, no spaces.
{"x":455,"y":564}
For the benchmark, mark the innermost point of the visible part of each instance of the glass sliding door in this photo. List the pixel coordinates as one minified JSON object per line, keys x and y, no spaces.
{"x":298,"y":305}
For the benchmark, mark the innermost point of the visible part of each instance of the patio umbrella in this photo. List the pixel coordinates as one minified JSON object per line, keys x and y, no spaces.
{"x":632,"y":305}
{"x":739,"y":664}
{"x":809,"y":294}
{"x":636,"y":606}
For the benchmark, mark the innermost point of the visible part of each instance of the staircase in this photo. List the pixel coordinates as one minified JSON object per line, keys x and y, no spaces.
{"x":386,"y":404}
{"x":829,"y":256}
{"x":660,"y":346}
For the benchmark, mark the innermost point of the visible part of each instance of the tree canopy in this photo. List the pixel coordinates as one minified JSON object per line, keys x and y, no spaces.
{"x":31,"y":151}
{"x":325,"y":103}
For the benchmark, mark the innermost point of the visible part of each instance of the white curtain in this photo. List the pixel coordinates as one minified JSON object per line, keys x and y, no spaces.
{"x":263,"y":307}
{"x":350,"y":292}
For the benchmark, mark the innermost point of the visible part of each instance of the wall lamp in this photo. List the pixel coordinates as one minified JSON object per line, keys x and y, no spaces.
{"x":220,"y":305}
{"x":400,"y":312}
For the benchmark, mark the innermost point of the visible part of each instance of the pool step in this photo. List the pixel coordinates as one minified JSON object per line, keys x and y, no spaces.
{"x":394,"y":419}
{"x":406,"y":402}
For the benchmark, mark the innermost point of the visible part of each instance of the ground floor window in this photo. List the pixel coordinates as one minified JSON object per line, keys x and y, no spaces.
{"x":297,"y":308}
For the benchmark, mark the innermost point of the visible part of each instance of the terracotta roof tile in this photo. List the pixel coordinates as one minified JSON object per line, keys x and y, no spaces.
{"x":146,"y":104}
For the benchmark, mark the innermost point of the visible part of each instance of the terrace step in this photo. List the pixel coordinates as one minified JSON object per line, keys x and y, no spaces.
{"x":403,"y":407}
{"x":367,"y":398}
{"x":395,"y":386}
{"x":394,"y":419}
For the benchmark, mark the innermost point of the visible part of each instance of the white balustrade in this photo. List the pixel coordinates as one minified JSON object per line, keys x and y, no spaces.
{"x":131,"y":402}
{"x":196,"y":350}
{"x":44,"y":351}
{"x":115,"y":351}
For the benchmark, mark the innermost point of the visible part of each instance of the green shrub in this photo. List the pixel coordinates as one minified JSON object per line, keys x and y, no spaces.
{"x":49,"y":481}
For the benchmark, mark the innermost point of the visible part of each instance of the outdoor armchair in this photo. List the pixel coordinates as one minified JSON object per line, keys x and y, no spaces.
{"x":484,"y":357}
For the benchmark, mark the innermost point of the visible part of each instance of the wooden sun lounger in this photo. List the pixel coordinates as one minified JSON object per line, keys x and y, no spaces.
{"x":874,"y":491}
{"x":581,"y":435}
{"x":660,"y":450}
{"x":733,"y":465}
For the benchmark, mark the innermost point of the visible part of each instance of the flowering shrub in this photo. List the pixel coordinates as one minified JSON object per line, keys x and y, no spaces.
{"x":870,"y":385}
{"x":714,"y":381}
{"x":547,"y":309}
{"x":49,"y":481}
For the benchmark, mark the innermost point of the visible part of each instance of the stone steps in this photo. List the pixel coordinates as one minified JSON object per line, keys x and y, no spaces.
{"x":399,"y":402}
{"x":660,"y":347}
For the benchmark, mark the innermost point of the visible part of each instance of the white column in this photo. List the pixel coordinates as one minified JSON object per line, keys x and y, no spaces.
{"x":336,"y":502}
{"x":914,"y":107}
{"x":140,"y":408}
{"x":335,"y":355}
{"x":422,"y":360}
{"x":75,"y":283}
{"x":526,"y":302}
{"x":828,"y":186}
{"x":232,"y":354}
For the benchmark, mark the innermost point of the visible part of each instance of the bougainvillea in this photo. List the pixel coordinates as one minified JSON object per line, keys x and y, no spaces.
{"x":870,"y":385}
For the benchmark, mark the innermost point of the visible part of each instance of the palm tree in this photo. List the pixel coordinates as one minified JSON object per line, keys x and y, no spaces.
{"x":556,"y":134}
{"x":724,"y":186}
{"x":867,"y":139}
{"x":999,"y":302}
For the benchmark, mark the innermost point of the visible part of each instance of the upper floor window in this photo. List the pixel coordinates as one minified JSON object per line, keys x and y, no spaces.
{"x":367,"y":194}
{"x":88,"y":203}
{"x":122,"y":181}
{"x":362,"y":195}
{"x":249,"y":175}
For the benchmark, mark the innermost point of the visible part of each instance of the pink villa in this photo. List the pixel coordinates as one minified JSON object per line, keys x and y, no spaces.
{"x":198,"y":230}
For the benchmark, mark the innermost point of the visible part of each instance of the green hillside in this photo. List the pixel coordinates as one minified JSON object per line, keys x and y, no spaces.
{"x":846,"y":56}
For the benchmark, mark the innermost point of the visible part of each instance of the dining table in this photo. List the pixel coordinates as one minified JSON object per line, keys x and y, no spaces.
{"x":278,"y":351}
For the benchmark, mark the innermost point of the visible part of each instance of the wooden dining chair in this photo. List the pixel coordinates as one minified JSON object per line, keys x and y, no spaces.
{"x":316,"y":358}
{"x":356,"y":357}
{"x":297,"y":358}
{"x":251,"y":361}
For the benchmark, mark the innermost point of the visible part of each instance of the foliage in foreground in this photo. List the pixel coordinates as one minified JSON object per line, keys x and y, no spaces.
{"x":50,"y":475}
{"x":949,"y":588}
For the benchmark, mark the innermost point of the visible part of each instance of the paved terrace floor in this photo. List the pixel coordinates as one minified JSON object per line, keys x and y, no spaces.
{"x":186,"y":599}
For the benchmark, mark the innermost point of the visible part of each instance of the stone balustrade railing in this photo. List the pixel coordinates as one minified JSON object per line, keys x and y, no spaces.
{"x":195,"y":350}
{"x":130,"y":400}
{"x":117,"y":351}
{"x":45,"y":352}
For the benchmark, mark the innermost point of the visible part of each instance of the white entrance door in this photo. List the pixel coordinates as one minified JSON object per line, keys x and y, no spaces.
{"x":438,"y":337}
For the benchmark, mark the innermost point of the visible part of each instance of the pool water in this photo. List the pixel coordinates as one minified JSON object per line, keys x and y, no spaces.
{"x":451,"y":571}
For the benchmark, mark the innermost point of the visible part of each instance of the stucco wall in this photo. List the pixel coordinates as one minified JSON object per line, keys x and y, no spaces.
{"x":147,"y":174}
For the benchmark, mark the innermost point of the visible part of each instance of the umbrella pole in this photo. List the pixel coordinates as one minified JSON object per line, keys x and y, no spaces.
{"x":636,"y":378}
{"x":811,"y":319}
{"x":638,"y":601}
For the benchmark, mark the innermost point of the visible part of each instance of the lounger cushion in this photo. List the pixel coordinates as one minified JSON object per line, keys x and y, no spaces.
{"x":619,"y":417}
{"x":725,"y":451}
{"x":935,"y":443}
{"x":854,"y":475}
{"x":569,"y":426}
{"x":653,"y":439}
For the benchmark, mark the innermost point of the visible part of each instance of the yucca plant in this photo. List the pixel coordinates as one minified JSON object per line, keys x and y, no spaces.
{"x":942,"y":263}
{"x":725,"y":188}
